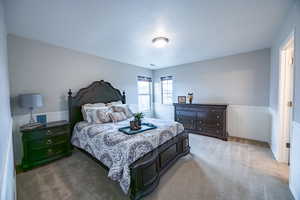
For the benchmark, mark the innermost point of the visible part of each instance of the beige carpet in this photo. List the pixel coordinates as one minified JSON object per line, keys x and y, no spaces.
{"x":215,"y":170}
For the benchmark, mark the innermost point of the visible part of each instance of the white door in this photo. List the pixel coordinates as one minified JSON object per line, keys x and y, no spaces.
{"x":289,"y":94}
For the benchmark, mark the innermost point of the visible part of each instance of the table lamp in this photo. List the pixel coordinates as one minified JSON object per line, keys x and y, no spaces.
{"x":31,"y":101}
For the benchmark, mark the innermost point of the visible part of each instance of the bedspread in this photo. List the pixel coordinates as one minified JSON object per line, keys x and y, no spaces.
{"x":117,"y":150}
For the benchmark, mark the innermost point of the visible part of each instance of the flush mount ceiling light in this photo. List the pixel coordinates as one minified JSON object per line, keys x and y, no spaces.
{"x":160,"y":42}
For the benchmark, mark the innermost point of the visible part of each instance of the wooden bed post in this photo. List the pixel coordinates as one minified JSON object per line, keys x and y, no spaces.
{"x":123,"y":97}
{"x":70,"y":105}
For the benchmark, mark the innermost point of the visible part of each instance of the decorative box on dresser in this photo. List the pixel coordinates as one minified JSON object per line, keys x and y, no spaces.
{"x":204,"y":119}
{"x":45,"y":144}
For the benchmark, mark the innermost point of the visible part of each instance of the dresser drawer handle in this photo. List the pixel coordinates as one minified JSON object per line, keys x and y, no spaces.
{"x":49,"y":132}
{"x":50,"y":151}
{"x":218,"y":116}
{"x":218,"y":124}
{"x":49,"y":141}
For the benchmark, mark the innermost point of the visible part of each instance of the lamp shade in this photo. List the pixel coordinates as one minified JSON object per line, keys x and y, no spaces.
{"x":31,"y":100}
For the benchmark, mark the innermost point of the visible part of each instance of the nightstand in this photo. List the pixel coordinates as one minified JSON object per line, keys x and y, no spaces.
{"x":45,"y":144}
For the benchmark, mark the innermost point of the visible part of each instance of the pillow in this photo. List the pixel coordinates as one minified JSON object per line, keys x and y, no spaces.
{"x":98,"y":115}
{"x":90,"y":105}
{"x":123,"y":108}
{"x":114,"y":103}
{"x":117,"y":116}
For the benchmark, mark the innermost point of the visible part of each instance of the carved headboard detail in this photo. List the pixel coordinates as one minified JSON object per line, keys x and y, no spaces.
{"x":97,"y":92}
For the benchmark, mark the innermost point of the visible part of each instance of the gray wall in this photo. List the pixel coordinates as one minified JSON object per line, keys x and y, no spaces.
{"x":292,"y":22}
{"x":6,"y":156}
{"x":241,"y":79}
{"x":50,"y":70}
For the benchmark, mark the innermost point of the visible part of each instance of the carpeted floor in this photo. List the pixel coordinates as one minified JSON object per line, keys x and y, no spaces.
{"x":215,"y":170}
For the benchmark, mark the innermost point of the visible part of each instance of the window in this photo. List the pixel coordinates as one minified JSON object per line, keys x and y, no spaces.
{"x":144,"y":93}
{"x":166,"y":90}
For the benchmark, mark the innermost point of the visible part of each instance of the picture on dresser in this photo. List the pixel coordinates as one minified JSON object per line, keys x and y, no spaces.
{"x":182,"y":99}
{"x":42,"y":119}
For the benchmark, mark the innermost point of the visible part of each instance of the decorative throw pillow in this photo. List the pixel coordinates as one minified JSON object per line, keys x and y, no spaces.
{"x":117,"y":116}
{"x":123,"y":108}
{"x":90,"y":105}
{"x":114,"y":103}
{"x":98,"y":115}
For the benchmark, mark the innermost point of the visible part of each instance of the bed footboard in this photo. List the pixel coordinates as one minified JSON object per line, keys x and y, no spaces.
{"x":146,"y":172}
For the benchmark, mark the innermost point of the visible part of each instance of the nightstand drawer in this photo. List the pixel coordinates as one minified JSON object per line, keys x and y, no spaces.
{"x":48,"y":141}
{"x":40,"y":154}
{"x":46,"y":133}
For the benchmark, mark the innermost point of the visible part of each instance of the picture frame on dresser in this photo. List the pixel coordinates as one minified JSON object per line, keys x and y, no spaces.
{"x":182,"y":99}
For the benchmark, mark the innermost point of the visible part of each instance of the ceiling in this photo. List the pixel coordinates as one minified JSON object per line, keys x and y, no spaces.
{"x":122,"y":30}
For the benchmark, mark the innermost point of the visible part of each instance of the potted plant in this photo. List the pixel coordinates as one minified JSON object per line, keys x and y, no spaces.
{"x":138,"y":118}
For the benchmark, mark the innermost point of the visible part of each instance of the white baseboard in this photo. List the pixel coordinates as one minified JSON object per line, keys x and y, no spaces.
{"x":294,"y":181}
{"x":251,"y":122}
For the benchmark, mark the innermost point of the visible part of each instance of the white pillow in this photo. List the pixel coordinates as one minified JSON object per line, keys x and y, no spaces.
{"x":123,"y":108}
{"x":114,"y":103}
{"x":90,"y":105}
{"x":117,"y":116}
{"x":98,"y":115}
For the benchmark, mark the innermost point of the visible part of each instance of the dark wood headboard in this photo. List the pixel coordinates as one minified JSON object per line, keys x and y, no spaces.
{"x":97,"y":92}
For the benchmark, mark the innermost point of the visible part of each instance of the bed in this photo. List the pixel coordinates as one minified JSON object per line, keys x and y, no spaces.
{"x":136,"y":161}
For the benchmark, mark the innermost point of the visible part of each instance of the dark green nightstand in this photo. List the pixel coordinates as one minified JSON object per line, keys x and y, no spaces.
{"x":46,"y":143}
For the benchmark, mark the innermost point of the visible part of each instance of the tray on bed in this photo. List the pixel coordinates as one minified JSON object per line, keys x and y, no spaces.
{"x":144,"y":127}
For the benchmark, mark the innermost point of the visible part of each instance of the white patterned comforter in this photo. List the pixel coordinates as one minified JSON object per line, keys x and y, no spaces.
{"x":117,"y":150}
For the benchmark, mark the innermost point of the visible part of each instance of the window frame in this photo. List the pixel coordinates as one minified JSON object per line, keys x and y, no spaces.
{"x":149,"y":80}
{"x":162,"y":79}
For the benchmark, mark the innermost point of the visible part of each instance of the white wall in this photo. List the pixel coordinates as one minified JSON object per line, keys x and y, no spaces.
{"x":294,"y":181}
{"x":291,"y":23}
{"x":7,"y":172}
{"x":242,"y":81}
{"x":35,"y":66}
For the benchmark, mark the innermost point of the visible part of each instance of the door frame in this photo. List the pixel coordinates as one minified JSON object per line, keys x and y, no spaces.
{"x":285,"y":126}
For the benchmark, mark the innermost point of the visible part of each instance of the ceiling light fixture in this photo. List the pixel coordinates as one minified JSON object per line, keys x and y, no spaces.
{"x":160,"y":42}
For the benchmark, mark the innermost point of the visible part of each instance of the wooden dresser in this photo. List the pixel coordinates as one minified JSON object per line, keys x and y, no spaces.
{"x":204,"y":119}
{"x":44,"y":144}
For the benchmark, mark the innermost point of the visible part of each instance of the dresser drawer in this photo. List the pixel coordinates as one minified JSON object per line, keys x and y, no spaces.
{"x":55,"y":150}
{"x":187,"y":119}
{"x":47,"y":133}
{"x":48,"y":141}
{"x":216,"y":125}
{"x":211,"y":131}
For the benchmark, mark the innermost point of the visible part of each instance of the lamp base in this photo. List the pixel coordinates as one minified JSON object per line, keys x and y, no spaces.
{"x":31,"y":125}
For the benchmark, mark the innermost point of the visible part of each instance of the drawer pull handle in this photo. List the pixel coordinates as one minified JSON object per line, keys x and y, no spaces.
{"x":218,"y":116}
{"x":50,"y":151}
{"x":218,"y":124}
{"x":49,"y":141}
{"x":49,"y":132}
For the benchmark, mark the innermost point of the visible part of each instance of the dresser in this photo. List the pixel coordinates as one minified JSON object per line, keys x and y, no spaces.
{"x":203,"y":119}
{"x":45,"y":144}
